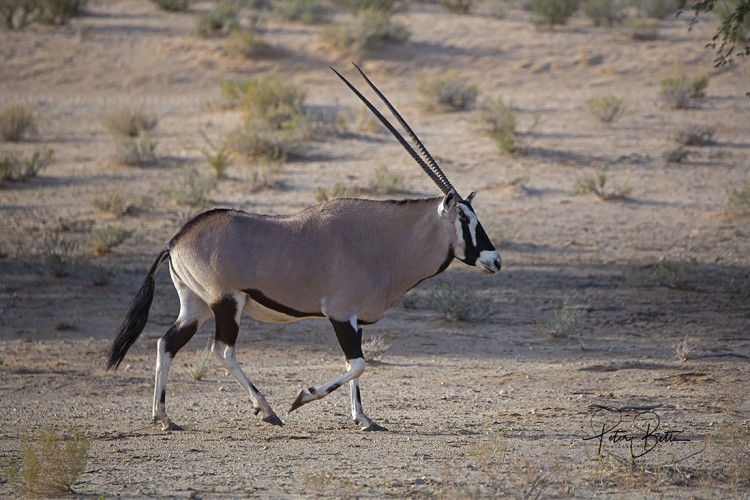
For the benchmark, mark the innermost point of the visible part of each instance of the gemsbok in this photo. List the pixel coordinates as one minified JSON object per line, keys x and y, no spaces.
{"x":346,"y":260}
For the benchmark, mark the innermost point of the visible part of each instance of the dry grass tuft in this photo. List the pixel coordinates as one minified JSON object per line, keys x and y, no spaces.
{"x":374,"y":348}
{"x":17,"y":122}
{"x":447,"y":93}
{"x":107,"y":238}
{"x":738,"y":200}
{"x":456,"y":303}
{"x":595,"y":183}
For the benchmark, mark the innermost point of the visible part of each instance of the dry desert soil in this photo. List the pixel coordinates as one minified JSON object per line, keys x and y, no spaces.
{"x":639,"y":304}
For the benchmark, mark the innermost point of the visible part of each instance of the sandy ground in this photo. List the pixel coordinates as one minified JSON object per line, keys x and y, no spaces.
{"x":498,"y":408}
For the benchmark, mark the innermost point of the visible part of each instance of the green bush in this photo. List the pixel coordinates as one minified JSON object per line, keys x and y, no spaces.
{"x":17,"y":14}
{"x":219,"y":21}
{"x":606,"y":108}
{"x":447,"y":93}
{"x":500,"y":119}
{"x":17,"y":122}
{"x":51,"y":464}
{"x":369,"y":31}
{"x":738,"y":200}
{"x":605,"y":12}
{"x":172,"y":5}
{"x":303,"y":11}
{"x":272,"y":100}
{"x":552,"y":12}
{"x":59,"y":11}
{"x":14,"y":167}
{"x":679,"y":91}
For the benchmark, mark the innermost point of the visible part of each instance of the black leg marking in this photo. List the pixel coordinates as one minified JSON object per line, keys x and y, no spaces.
{"x":349,"y":339}
{"x":177,"y":336}
{"x":226,"y":325}
{"x":163,"y":397}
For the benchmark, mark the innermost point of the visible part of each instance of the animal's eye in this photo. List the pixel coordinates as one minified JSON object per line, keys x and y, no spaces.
{"x":464,"y":219}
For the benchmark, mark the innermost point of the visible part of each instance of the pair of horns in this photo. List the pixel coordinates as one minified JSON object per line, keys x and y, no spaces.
{"x":428,"y":164}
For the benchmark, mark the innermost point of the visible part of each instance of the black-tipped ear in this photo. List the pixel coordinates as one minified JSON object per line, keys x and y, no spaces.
{"x":449,"y":200}
{"x":471,"y":197}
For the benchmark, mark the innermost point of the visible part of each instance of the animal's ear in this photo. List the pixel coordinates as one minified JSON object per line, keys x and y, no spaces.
{"x":471,"y":197}
{"x":449,"y":201}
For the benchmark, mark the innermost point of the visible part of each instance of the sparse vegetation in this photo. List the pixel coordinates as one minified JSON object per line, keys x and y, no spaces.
{"x":679,"y":92}
{"x":386,"y":182}
{"x":459,"y":6}
{"x":136,"y":151}
{"x":369,"y":31}
{"x":552,"y":12}
{"x":129,"y":122}
{"x":606,"y":108}
{"x":58,"y":254}
{"x":17,"y":122}
{"x":218,"y":157}
{"x":457,"y":303}
{"x":191,"y":188}
{"x":112,"y":202}
{"x":221,"y":20}
{"x":500,"y":120}
{"x":50,"y":464}
{"x":59,"y":11}
{"x":98,"y":274}
{"x":338,"y":190}
{"x":200,"y":363}
{"x":14,"y":167}
{"x":172,"y":5}
{"x":695,"y":135}
{"x":676,"y":155}
{"x":107,"y":238}
{"x":302,"y":11}
{"x":605,"y":12}
{"x":374,"y":348}
{"x":358,"y":119}
{"x":738,"y":200}
{"x":248,"y":44}
{"x":560,"y":323}
{"x":595,"y":183}
{"x":685,"y":349}
{"x":642,"y":29}
{"x":656,"y":9}
{"x":674,"y":273}
{"x":265,"y":174}
{"x":447,"y":93}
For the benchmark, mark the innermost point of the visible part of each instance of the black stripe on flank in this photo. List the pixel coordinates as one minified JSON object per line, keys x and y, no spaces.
{"x":269,"y":303}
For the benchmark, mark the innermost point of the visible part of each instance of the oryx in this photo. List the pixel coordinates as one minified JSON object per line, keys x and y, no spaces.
{"x":347,"y":260}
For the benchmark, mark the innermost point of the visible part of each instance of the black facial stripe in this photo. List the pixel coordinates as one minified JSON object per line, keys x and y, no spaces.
{"x":471,"y":254}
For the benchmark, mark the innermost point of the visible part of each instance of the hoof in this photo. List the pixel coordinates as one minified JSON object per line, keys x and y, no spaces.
{"x":374,"y":427}
{"x":171,"y":426}
{"x":303,"y":397}
{"x":273,"y":420}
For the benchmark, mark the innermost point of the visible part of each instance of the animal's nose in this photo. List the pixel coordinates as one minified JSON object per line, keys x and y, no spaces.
{"x":498,"y":264}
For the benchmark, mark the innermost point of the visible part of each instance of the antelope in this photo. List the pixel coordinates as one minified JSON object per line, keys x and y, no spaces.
{"x":347,"y":260}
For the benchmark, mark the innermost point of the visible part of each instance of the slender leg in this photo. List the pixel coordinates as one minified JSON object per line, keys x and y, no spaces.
{"x":227,"y":313}
{"x":193,"y":313}
{"x":350,"y":338}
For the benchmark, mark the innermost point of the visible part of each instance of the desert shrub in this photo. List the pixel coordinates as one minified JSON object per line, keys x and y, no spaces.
{"x":552,"y":12}
{"x":200,"y":363}
{"x":606,"y":108}
{"x":500,"y":120}
{"x":675,"y":155}
{"x":105,"y":239}
{"x":255,"y":140}
{"x":191,"y":188}
{"x":129,"y":122}
{"x":605,"y":12}
{"x":447,"y":93}
{"x":560,"y":323}
{"x":369,"y":31}
{"x":677,"y":92}
{"x":642,"y":29}
{"x":358,"y":119}
{"x":136,"y":151}
{"x":248,"y":44}
{"x":57,"y":254}
{"x":59,"y":11}
{"x":695,"y":135}
{"x":458,"y":6}
{"x":17,"y":122}
{"x":265,"y":174}
{"x":17,"y":14}
{"x":98,"y":274}
{"x":221,"y":20}
{"x":50,"y":464}
{"x":656,"y":9}
{"x":14,"y":167}
{"x":456,"y":303}
{"x":172,"y":5}
{"x":675,"y":273}
{"x":738,"y":200}
{"x":387,"y":6}
{"x":374,"y":348}
{"x":272,"y":100}
{"x":724,"y":11}
{"x":111,"y":202}
{"x":685,"y":349}
{"x":218,"y":157}
{"x":595,"y":183}
{"x":338,"y":190}
{"x":386,"y":182}
{"x":303,"y":11}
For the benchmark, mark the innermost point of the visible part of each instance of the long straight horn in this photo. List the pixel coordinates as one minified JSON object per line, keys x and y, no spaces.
{"x":440,"y":180}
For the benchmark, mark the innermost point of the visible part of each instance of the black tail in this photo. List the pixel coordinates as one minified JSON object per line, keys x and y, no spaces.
{"x":137,"y":316}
